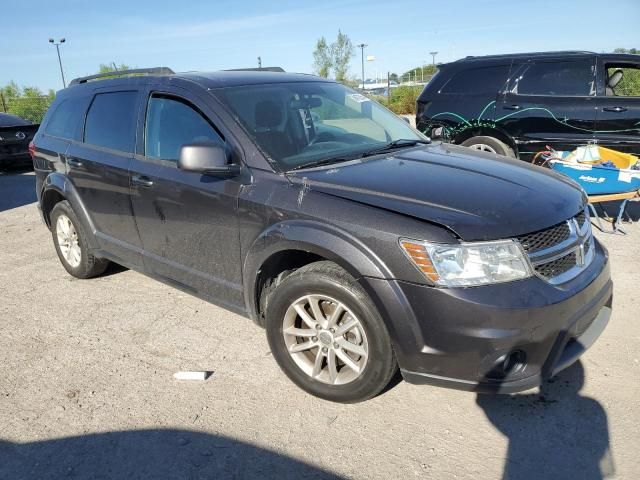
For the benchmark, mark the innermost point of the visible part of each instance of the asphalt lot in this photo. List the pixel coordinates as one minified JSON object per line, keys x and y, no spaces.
{"x":86,"y":389}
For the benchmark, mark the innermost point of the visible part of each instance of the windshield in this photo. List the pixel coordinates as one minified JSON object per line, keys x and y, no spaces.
{"x":307,"y":123}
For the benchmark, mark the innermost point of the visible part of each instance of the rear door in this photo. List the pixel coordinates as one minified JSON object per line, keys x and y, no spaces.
{"x":618,"y":112}
{"x":99,"y":169}
{"x":550,"y":102}
{"x":187,"y":221}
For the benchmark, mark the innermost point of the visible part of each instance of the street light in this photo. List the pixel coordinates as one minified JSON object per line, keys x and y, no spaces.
{"x":433,"y":56}
{"x":362,"y":46}
{"x":57,"y":44}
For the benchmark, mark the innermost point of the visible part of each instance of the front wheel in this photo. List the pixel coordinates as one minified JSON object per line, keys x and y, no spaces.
{"x":489,"y":144}
{"x":327,"y":336}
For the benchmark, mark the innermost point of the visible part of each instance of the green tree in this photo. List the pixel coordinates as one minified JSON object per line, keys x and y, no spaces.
{"x":633,"y":51}
{"x":342,"y":51}
{"x":10,"y":90}
{"x":111,"y":67}
{"x":425,"y":71}
{"x":322,"y":60}
{"x":25,"y":102}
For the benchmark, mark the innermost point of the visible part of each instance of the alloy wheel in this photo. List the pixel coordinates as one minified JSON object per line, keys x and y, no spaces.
{"x":325,"y":339}
{"x":68,"y":241}
{"x":483,"y":147}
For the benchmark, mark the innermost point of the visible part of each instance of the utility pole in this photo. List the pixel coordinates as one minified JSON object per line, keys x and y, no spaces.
{"x":433,"y":56}
{"x":62,"y":40}
{"x":362,"y":46}
{"x":259,"y":62}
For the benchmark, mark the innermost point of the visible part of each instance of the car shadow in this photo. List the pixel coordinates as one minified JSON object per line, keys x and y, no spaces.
{"x":556,"y":433}
{"x":148,"y":454}
{"x":16,"y":189}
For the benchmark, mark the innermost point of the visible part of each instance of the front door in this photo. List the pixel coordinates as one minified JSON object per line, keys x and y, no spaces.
{"x":550,"y":103}
{"x":187,"y":221}
{"x":618,"y":112}
{"x":99,"y":169}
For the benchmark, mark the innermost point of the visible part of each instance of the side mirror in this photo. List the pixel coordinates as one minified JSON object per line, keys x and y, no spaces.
{"x":208,"y":158}
{"x":406,"y":120}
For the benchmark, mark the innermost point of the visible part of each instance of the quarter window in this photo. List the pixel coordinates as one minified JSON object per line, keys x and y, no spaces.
{"x":111,"y":121}
{"x":66,"y":118}
{"x":477,"y":81}
{"x":557,"y":78}
{"x":172,"y":123}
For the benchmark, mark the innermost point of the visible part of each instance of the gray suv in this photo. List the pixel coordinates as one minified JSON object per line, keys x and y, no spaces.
{"x":357,"y":243}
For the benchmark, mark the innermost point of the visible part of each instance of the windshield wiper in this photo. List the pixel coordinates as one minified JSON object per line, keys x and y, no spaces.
{"x":324,"y":161}
{"x":400,"y":143}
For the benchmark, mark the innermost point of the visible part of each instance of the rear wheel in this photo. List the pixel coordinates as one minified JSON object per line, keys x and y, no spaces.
{"x":489,"y":144}
{"x":327,"y":336}
{"x":71,"y":243}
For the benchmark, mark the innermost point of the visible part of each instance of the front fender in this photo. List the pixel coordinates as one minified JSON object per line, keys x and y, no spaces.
{"x":345,"y":250}
{"x":60,"y":184}
{"x":313,"y":237}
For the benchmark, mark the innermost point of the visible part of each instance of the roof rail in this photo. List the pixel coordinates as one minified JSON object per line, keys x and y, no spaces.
{"x":123,"y":73}
{"x":526,"y":54}
{"x":257,"y":69}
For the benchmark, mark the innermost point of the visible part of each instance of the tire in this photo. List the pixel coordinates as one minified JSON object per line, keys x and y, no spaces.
{"x":370,"y":362}
{"x":489,"y":144}
{"x":79,"y":262}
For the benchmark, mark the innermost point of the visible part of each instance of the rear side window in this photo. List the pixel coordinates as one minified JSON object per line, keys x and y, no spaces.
{"x":66,"y":119}
{"x":111,"y":121}
{"x":476,"y":81}
{"x":557,"y":78}
{"x":172,"y":123}
{"x":622,"y":80}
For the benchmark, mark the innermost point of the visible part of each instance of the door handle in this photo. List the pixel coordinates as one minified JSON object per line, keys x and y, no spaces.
{"x":73,"y":162}
{"x":141,"y":181}
{"x":614,"y":109}
{"x":511,"y":107}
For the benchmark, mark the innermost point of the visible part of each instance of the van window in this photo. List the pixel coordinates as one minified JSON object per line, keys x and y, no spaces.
{"x":557,"y":78}
{"x":66,"y":118}
{"x":475,"y":81}
{"x":172,"y":123}
{"x":622,"y":80}
{"x":111,"y":121}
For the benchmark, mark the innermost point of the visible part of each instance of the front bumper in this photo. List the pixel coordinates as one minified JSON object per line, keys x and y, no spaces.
{"x":458,"y":337}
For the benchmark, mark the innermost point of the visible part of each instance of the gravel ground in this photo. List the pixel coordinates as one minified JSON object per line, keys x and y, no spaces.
{"x":86,"y":389}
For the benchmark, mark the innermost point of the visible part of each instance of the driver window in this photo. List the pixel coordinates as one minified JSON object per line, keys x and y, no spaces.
{"x":171,"y":123}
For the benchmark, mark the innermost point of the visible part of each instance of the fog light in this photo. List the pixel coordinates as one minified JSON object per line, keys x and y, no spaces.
{"x":508,"y":364}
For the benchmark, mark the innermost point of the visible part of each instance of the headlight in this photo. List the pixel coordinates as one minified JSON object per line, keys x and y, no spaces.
{"x":468,"y":264}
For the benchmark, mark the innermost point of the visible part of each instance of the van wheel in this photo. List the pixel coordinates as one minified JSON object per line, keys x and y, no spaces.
{"x":327,"y":336}
{"x":71,"y":243}
{"x":489,"y":144}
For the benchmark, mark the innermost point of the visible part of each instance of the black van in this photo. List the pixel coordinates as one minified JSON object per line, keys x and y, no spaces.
{"x":517,"y":104}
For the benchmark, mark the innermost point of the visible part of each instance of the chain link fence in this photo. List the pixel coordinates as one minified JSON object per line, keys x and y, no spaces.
{"x":29,"y":108}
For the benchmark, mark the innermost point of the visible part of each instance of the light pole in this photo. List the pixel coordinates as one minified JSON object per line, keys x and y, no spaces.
{"x":362,"y":46}
{"x":433,"y":56}
{"x":57,"y":44}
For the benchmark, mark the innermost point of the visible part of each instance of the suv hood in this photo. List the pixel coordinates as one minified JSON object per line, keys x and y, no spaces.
{"x":477,"y":195}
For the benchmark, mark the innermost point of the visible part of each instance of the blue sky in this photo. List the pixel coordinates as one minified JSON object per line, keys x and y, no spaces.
{"x":218,"y":34}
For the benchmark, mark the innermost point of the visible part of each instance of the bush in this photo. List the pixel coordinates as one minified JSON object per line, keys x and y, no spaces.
{"x":402,"y":100}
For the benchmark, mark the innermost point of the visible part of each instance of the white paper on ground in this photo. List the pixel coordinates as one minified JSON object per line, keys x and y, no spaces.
{"x":191,"y":375}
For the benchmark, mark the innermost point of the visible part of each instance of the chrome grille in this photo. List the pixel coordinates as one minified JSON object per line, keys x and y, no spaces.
{"x":559,"y":253}
{"x":556,"y":267}
{"x":546,"y":238}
